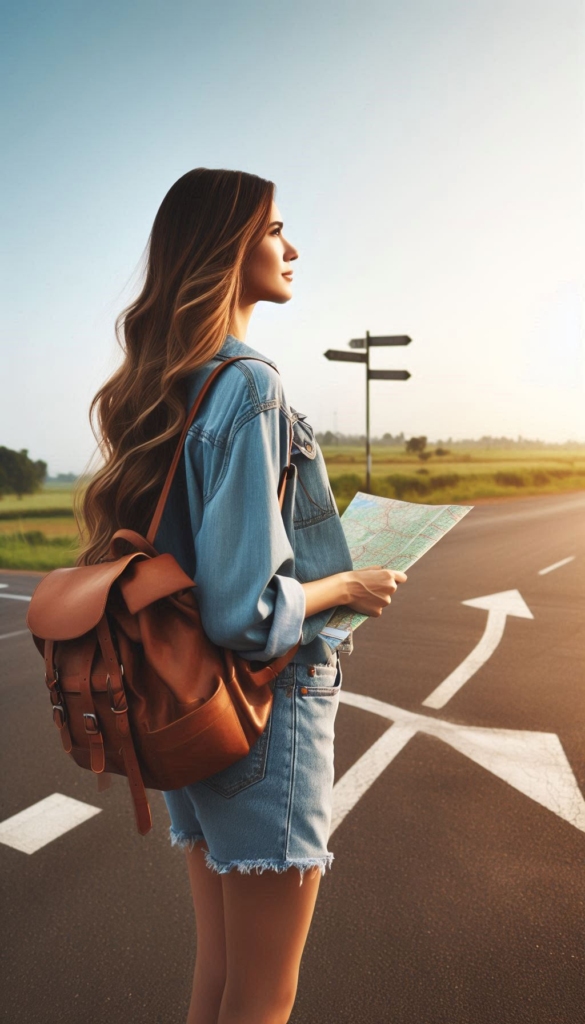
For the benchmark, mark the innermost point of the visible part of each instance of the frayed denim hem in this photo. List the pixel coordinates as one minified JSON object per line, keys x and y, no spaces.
{"x":183,"y":840}
{"x":246,"y":866}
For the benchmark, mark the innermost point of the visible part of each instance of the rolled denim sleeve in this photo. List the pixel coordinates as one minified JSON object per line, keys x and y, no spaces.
{"x":249,"y":598}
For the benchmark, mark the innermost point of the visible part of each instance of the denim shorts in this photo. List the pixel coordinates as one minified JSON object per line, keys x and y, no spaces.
{"x":272,"y":808}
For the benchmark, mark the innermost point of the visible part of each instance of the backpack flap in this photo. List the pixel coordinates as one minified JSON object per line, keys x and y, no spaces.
{"x":151,"y":579}
{"x":69,"y":602}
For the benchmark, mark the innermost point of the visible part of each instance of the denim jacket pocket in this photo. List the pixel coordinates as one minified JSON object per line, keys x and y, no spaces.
{"x":314,"y":499}
{"x":303,"y":435}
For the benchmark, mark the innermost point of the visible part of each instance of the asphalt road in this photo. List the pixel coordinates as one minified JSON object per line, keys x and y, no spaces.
{"x":457,"y":894}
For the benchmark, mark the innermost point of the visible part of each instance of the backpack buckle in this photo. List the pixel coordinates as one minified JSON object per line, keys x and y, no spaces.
{"x":86,"y":721}
{"x":122,"y":707}
{"x":53,"y":683}
{"x":58,"y":709}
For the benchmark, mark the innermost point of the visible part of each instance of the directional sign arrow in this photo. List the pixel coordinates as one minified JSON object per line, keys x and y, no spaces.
{"x":498,"y":607}
{"x":346,"y":357}
{"x":392,"y":339}
{"x":388,"y":374}
{"x":388,"y":339}
{"x":534,"y":763}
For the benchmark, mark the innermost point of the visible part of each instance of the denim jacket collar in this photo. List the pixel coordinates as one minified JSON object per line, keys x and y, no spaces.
{"x":234,"y":347}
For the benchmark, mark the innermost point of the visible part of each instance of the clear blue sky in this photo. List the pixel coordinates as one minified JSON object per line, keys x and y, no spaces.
{"x":429,"y":162}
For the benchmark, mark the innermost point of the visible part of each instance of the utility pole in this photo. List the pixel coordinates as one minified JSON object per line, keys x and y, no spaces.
{"x":368,"y":453}
{"x":364,"y":357}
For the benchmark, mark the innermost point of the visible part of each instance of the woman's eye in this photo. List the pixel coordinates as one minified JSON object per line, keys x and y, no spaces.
{"x":276,"y":232}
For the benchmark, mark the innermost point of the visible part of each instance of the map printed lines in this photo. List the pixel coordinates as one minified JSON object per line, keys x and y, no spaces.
{"x":392,"y":534}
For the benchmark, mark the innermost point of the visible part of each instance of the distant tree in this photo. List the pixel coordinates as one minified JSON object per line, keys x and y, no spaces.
{"x":424,"y":455}
{"x":416,"y":444}
{"x":329,"y":437}
{"x":390,"y":439}
{"x":18,"y":474}
{"x":442,"y":451}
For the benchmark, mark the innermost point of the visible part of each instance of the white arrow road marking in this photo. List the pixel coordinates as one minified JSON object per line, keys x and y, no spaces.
{"x":16,"y":597}
{"x":534,"y":763}
{"x":498,"y":606}
{"x":352,"y":786}
{"x":45,"y":821}
{"x":17,"y":632}
{"x":556,"y":565}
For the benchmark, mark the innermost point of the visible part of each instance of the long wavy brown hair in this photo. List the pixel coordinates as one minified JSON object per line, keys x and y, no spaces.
{"x":204,"y":230}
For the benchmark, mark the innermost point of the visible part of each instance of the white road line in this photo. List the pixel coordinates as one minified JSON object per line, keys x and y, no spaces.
{"x":534,"y":763}
{"x":16,"y":597}
{"x":17,"y":632}
{"x":33,"y":828}
{"x":3,"y":586}
{"x":352,"y":786}
{"x":556,"y":565}
{"x":498,"y":606}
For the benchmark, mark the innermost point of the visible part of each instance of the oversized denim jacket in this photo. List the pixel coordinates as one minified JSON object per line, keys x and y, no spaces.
{"x":223,"y":523}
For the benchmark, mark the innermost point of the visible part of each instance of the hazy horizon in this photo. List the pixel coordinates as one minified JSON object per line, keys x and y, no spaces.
{"x":429,"y":164}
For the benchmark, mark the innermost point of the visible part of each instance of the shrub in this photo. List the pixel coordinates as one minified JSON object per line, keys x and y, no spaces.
{"x":347,"y":484}
{"x":539,"y":477}
{"x":401,"y":484}
{"x":509,"y":479}
{"x":444,"y":480}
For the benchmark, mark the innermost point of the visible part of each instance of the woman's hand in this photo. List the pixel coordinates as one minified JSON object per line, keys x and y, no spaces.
{"x":364,"y":590}
{"x":371,"y":589}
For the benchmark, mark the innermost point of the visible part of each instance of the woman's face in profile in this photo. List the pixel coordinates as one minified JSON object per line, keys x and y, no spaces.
{"x":268,"y":263}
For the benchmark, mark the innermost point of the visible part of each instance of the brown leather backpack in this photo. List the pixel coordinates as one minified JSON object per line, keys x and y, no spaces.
{"x":136,"y":686}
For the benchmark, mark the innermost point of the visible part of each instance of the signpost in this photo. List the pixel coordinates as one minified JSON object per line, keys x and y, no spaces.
{"x":364,"y":357}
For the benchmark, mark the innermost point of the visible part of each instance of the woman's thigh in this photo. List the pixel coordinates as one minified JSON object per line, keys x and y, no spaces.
{"x":207,"y":892}
{"x":267,"y":918}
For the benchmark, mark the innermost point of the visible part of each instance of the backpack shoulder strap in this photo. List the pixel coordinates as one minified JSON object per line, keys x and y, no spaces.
{"x":155,"y":522}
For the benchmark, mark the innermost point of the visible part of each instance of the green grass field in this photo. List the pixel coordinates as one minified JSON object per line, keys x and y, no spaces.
{"x":39,"y":531}
{"x":462,"y":476}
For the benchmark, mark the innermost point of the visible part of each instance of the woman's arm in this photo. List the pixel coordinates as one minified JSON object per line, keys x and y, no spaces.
{"x":248,"y":596}
{"x":364,"y":590}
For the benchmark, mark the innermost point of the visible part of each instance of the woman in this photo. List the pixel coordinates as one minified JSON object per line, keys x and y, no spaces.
{"x":266,"y":578}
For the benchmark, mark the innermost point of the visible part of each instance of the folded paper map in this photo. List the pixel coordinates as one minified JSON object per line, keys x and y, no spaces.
{"x":392,"y":534}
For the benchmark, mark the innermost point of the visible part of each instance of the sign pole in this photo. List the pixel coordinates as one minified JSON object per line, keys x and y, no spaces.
{"x":364,"y":357}
{"x":368,"y":455}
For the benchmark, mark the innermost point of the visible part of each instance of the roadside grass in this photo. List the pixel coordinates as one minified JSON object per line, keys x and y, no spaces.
{"x":39,"y":530}
{"x":50,"y":525}
{"x":49,"y":501}
{"x":466,"y":460}
{"x":456,"y":488}
{"x":33,"y":550}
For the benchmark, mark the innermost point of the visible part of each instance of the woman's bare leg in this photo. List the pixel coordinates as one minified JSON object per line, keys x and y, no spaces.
{"x":210,"y":964}
{"x":267,"y":919}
